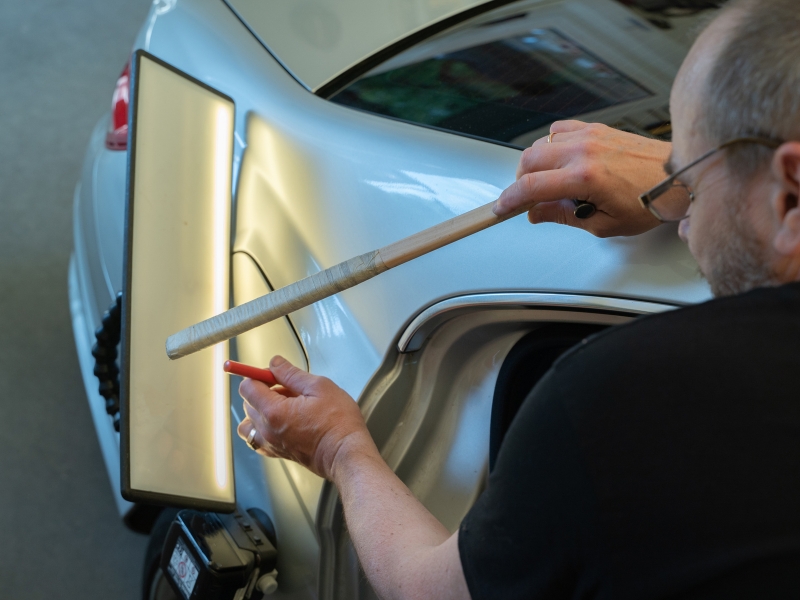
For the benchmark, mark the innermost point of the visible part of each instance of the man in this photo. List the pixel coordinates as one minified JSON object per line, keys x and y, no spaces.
{"x":659,"y":459}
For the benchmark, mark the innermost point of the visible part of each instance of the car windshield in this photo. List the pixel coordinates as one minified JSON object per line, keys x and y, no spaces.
{"x":497,"y":90}
{"x":507,"y":75}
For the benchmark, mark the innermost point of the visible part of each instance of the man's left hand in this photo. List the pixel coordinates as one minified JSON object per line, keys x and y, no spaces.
{"x":306,"y":418}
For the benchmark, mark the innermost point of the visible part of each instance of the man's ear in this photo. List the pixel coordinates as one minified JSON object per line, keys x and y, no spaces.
{"x":786,"y":170}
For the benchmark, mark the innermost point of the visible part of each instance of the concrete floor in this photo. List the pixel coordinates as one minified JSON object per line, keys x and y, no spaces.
{"x":60,"y":536}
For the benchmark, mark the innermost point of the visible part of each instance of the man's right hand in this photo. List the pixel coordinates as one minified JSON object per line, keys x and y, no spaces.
{"x":595,"y":163}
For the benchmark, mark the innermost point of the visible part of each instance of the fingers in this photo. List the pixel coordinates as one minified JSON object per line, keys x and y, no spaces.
{"x":565,"y":131}
{"x":244,"y":428}
{"x":296,"y":380}
{"x":562,"y":158}
{"x":260,"y":442}
{"x":567,"y":126}
{"x":252,"y":413}
{"x":257,"y":443}
{"x":545,"y":157}
{"x":534,"y":188}
{"x":260,"y":398}
{"x":270,"y":426}
{"x":560,"y":137}
{"x":561,"y":212}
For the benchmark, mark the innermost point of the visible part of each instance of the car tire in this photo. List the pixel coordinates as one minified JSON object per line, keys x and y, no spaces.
{"x":154,"y":584}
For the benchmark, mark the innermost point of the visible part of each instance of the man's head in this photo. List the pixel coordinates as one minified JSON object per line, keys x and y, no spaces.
{"x":742,"y":78}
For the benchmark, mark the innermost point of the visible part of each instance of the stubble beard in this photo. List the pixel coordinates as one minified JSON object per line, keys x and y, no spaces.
{"x":742,"y":263}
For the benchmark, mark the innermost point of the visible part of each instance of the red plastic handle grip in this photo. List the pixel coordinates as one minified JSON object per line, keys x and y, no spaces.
{"x":237,"y":368}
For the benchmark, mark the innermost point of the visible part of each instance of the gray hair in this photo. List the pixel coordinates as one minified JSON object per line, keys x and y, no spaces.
{"x":754,"y":86}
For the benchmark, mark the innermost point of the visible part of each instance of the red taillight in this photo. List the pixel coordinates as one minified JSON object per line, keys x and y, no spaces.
{"x":117,"y":136}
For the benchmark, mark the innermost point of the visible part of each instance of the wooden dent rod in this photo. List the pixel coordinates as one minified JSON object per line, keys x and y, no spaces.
{"x":337,"y":278}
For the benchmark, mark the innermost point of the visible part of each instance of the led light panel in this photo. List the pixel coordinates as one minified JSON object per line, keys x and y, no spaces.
{"x":176,"y":430}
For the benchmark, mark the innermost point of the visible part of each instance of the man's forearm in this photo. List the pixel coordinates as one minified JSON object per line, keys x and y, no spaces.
{"x":405,"y":551}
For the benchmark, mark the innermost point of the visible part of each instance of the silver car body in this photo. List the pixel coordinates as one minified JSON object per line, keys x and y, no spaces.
{"x":316,"y":183}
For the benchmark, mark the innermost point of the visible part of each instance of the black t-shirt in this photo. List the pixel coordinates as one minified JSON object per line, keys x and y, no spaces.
{"x":659,"y":459}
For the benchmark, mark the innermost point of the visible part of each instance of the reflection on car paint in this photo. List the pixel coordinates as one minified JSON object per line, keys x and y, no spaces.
{"x":457,"y":195}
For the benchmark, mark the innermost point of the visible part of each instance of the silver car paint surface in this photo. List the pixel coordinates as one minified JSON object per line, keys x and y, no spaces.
{"x":317,"y":183}
{"x":91,"y":289}
{"x":318,"y":40}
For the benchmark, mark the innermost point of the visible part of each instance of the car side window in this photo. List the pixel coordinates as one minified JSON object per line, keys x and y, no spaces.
{"x":508,"y":74}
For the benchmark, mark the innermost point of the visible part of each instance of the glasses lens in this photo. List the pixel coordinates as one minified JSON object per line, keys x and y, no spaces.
{"x":673,"y":205}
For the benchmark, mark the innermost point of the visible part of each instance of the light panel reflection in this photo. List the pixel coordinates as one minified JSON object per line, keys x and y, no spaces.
{"x":457,"y":195}
{"x":221,"y":204}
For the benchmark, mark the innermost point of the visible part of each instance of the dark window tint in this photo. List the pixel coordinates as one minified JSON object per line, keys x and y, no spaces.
{"x":499,"y":90}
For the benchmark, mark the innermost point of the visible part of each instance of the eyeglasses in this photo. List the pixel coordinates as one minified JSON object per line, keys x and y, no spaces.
{"x":666,"y":213}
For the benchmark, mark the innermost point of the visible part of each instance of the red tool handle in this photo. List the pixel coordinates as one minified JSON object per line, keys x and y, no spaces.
{"x":237,"y":368}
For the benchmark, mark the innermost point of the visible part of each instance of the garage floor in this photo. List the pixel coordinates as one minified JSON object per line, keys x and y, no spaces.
{"x":60,"y":536}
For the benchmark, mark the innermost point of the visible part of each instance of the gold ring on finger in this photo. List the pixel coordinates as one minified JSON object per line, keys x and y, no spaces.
{"x":550,"y":137}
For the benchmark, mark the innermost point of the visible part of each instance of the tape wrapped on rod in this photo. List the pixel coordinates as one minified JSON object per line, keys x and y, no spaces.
{"x":276,"y":304}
